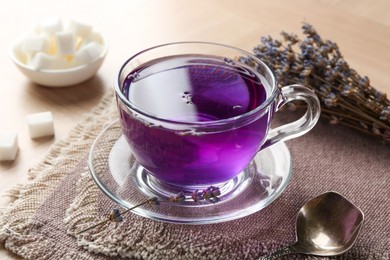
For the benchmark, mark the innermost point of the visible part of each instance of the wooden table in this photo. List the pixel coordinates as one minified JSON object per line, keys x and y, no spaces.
{"x":361,"y":29}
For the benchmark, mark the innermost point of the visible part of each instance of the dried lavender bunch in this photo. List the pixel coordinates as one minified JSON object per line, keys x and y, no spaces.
{"x":346,"y":97}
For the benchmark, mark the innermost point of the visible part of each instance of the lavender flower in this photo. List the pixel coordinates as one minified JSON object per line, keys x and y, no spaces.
{"x":180,"y":197}
{"x":116,"y":216}
{"x":197,"y":196}
{"x":154,"y":201}
{"x":211,"y":194}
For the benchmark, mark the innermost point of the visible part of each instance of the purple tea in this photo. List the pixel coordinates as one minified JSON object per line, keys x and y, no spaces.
{"x":194,"y":90}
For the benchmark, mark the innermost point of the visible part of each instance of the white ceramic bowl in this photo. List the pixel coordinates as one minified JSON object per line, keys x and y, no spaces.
{"x":56,"y":77}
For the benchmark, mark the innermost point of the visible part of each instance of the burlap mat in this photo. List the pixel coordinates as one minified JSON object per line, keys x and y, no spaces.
{"x":42,"y":220}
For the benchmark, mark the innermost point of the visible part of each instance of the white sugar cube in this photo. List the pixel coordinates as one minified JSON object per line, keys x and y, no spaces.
{"x":19,"y":53}
{"x":35,"y":43}
{"x":51,"y":25}
{"x":87,"y":53}
{"x":65,"y":43}
{"x":40,"y":124}
{"x":41,"y":60}
{"x":36,"y":29}
{"x":96,"y":37}
{"x":8,"y":145}
{"x":79,"y":29}
{"x":60,"y":62}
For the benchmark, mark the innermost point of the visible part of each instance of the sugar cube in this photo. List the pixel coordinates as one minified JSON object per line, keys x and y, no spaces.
{"x":79,"y":29}
{"x":19,"y":53}
{"x":96,"y":37}
{"x":51,"y":25}
{"x":65,"y":43}
{"x":87,"y":53}
{"x":41,"y":60}
{"x":8,"y":145}
{"x":40,"y":124}
{"x":35,"y":43}
{"x":60,"y":62}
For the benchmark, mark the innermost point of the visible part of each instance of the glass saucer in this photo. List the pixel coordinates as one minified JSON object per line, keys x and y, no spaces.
{"x":122,"y":179}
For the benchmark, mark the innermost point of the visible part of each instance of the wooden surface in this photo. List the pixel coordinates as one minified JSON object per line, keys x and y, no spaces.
{"x":361,"y":29}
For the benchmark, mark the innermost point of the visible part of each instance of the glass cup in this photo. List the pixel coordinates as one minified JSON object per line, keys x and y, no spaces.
{"x":195,"y":116}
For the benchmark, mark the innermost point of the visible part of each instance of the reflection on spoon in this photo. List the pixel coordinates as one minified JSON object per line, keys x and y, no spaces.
{"x":326,"y":225}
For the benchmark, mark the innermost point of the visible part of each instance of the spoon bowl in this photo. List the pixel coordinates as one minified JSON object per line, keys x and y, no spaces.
{"x":326,"y":225}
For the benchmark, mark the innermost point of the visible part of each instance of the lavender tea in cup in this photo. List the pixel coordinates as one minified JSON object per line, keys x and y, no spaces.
{"x":193,"y":115}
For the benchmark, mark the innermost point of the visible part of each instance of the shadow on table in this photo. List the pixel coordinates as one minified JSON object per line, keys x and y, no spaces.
{"x":87,"y":93}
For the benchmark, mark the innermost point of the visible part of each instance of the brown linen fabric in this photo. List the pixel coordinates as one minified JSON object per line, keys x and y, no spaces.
{"x":42,"y":221}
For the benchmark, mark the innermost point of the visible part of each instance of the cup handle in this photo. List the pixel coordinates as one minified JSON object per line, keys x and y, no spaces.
{"x":303,"y":124}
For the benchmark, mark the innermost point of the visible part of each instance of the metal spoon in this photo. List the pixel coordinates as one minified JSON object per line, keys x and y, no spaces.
{"x":327,"y":225}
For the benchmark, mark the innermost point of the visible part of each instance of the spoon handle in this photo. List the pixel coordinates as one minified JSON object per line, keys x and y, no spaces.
{"x":279,"y":253}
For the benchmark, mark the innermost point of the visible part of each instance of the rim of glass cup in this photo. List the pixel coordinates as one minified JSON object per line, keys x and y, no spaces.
{"x":258,"y":110}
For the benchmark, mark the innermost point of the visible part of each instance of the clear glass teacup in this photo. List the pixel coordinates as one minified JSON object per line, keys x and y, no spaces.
{"x":195,"y":116}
